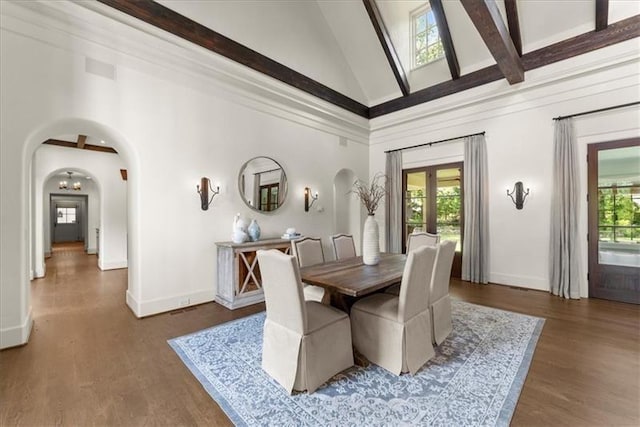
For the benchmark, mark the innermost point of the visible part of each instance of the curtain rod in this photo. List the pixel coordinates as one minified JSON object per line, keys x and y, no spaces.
{"x":597,"y":111}
{"x":434,"y":142}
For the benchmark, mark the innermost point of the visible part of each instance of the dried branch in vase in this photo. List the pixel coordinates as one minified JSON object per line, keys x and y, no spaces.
{"x":371,"y":194}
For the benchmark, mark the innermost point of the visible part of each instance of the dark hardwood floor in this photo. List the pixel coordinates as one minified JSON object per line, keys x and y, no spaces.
{"x":91,"y":362}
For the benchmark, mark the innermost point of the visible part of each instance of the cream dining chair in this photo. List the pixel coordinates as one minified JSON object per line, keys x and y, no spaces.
{"x":308,"y":251}
{"x":392,"y":331}
{"x":343,"y":246}
{"x":305,"y":343}
{"x":414,"y":241}
{"x":439,"y":301}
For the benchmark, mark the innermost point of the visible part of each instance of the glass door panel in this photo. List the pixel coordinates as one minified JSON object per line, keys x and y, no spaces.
{"x":449,"y":206}
{"x":619,"y":206}
{"x":614,"y":220}
{"x":433,"y":203}
{"x":416,"y":202}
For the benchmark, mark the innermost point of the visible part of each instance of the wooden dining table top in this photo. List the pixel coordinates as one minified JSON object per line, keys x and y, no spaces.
{"x":350,"y":276}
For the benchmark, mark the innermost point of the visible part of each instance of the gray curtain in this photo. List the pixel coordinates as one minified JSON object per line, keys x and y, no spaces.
{"x":564,"y":265}
{"x":393,"y":206}
{"x":475,"y":247}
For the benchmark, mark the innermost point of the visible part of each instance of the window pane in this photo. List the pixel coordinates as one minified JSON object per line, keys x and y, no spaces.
{"x":421,"y":41}
{"x":449,"y":203}
{"x":421,"y":23}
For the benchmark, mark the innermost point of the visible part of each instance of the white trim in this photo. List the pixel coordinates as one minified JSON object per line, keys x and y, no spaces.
{"x":528,"y":282}
{"x":17,"y":335}
{"x":91,"y":251}
{"x":112,"y":265}
{"x":41,"y":271}
{"x":162,"y":305}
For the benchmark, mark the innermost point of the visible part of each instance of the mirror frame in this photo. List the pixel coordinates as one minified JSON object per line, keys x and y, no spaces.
{"x":242,"y":194}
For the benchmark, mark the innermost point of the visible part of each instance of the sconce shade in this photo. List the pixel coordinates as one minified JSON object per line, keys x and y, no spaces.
{"x":307,"y":196}
{"x":520,"y":195}
{"x":203,"y":190}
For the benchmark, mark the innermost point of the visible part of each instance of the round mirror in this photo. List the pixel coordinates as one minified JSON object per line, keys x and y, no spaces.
{"x":262,"y":184}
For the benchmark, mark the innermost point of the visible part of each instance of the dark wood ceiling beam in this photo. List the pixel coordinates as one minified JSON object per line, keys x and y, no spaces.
{"x":602,"y":14}
{"x":166,"y":19}
{"x":445,"y":36}
{"x":467,"y":81}
{"x":615,"y":33}
{"x":514,"y":24}
{"x":487,"y":19}
{"x":82,"y":139}
{"x":69,"y":144}
{"x":387,"y":45}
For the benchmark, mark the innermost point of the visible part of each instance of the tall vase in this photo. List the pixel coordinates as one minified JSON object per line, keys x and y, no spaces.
{"x":254,"y":231}
{"x":371,"y":242}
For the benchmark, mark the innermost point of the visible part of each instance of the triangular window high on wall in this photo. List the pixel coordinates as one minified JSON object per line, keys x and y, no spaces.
{"x":425,"y":38}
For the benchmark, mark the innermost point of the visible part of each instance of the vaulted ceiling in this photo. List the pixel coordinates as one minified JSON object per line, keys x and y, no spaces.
{"x":357,"y":53}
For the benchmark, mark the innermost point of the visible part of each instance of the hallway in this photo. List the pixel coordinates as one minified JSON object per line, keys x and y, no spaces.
{"x":89,"y":361}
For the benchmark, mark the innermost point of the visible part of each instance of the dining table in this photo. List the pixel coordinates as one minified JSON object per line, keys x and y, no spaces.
{"x":348,"y":279}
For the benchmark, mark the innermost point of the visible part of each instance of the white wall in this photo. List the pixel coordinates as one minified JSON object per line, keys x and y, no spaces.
{"x":107,"y":201}
{"x":519,"y":135}
{"x":171,"y":126}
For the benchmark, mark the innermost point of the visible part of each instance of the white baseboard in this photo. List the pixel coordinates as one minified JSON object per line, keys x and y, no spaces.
{"x":41,"y":271}
{"x":161,"y":305}
{"x":16,"y":335}
{"x":111,"y":265}
{"x":31,"y":275}
{"x":91,"y":251}
{"x":528,"y":282}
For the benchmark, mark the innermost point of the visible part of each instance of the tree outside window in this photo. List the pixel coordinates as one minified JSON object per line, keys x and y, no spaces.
{"x":427,"y":46}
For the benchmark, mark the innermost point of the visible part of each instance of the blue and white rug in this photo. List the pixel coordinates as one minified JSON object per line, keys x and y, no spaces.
{"x":475,"y":378}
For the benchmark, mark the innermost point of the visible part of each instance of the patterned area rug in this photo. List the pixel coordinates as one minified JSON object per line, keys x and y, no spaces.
{"x":475,"y":378}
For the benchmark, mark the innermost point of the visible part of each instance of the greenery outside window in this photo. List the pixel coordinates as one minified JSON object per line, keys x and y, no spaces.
{"x":425,"y":37}
{"x":619,"y":214}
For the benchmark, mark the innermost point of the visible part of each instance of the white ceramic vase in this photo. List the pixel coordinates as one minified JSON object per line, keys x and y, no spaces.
{"x":371,"y":242}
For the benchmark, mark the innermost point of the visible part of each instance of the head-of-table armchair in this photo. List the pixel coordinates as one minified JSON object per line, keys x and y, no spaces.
{"x":305,"y":343}
{"x":392,"y":331}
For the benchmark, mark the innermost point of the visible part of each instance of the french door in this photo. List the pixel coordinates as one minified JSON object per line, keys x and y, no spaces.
{"x":433,"y":202}
{"x":614,"y":220}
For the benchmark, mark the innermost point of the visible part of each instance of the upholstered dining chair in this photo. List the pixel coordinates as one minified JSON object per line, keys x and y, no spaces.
{"x":305,"y":343}
{"x":343,"y":246}
{"x":392,"y":331}
{"x":415,"y":240}
{"x":439,"y":301}
{"x":308,"y":251}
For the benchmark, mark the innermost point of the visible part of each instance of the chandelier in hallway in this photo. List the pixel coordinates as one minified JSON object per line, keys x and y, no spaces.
{"x":68,"y":185}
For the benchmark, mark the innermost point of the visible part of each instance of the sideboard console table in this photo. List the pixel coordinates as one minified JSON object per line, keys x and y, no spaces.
{"x":239,"y":281}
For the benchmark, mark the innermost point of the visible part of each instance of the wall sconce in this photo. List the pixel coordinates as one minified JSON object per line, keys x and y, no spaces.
{"x":520,"y":194}
{"x":203,"y":190}
{"x":307,"y":195}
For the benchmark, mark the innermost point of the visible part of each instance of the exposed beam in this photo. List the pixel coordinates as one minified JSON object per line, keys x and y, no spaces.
{"x":445,"y":36}
{"x":486,"y":18}
{"x":615,"y":33}
{"x":602,"y":14}
{"x":387,"y":45}
{"x":467,"y":81}
{"x":166,"y":19}
{"x":81,"y":140}
{"x":89,"y":147}
{"x":514,"y":24}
